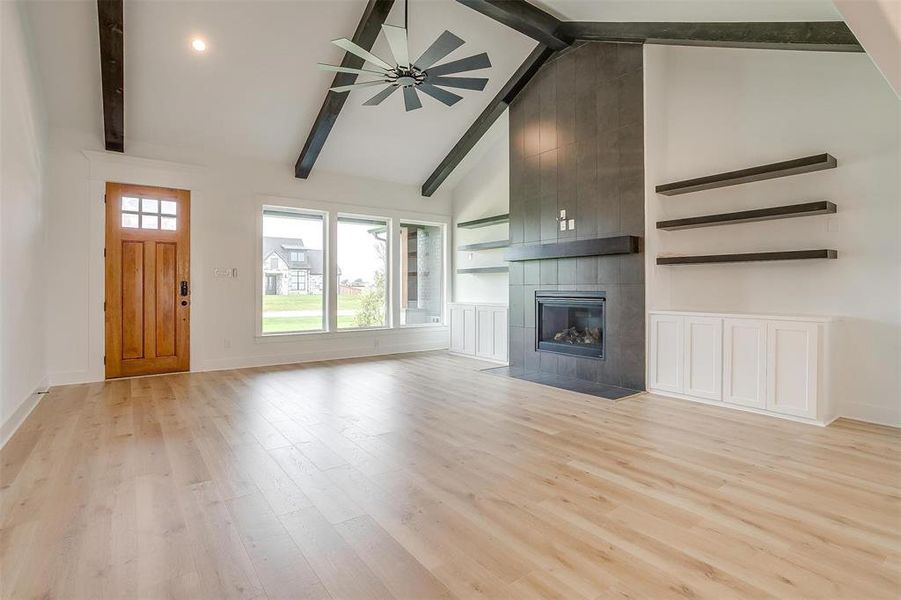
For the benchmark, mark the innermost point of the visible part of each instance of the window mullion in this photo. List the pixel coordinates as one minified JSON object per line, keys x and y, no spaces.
{"x":331,"y":283}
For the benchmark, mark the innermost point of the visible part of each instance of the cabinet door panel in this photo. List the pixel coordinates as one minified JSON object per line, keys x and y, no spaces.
{"x":792,"y":368}
{"x":485,"y":335}
{"x":703,"y":357}
{"x":744,"y":362}
{"x":456,"y":329}
{"x":666,"y":356}
{"x":500,"y":335}
{"x":469,"y":330}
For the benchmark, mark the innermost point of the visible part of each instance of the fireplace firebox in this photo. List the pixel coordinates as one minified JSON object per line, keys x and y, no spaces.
{"x":570,"y":323}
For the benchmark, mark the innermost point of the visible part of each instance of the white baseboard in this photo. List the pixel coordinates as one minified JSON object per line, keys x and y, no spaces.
{"x":871,"y":413}
{"x":502,"y":363}
{"x":245,"y":362}
{"x":15,"y":420}
{"x":749,"y":409}
{"x":386,"y":346}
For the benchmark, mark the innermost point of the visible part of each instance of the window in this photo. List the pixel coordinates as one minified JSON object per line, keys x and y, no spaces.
{"x":421,"y":262}
{"x":298,"y":280}
{"x":362,"y":272}
{"x":297,"y":256}
{"x":290,"y":305}
{"x":148,"y":213}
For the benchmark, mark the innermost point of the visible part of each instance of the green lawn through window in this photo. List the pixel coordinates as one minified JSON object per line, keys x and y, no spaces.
{"x":305,"y":302}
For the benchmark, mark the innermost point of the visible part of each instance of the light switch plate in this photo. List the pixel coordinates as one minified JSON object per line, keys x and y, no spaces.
{"x":572,"y":224}
{"x":563,"y":213}
{"x":562,"y":225}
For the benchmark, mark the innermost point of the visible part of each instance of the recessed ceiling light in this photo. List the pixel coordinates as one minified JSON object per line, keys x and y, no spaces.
{"x":198,"y":44}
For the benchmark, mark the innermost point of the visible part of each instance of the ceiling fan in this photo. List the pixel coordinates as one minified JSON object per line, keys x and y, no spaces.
{"x":419,"y":74}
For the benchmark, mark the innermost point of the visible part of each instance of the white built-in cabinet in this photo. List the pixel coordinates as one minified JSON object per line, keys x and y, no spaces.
{"x":765,"y":364}
{"x":479,"y":330}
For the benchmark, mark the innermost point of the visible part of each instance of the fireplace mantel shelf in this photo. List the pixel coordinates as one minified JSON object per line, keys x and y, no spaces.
{"x":621,"y":244}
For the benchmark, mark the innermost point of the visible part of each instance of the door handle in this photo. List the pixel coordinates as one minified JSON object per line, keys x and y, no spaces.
{"x":184,"y":288}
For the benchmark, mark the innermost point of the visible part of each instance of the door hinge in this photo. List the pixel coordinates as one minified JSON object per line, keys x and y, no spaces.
{"x":104,"y":359}
{"x":104,"y":253}
{"x":104,"y":198}
{"x":104,"y":307}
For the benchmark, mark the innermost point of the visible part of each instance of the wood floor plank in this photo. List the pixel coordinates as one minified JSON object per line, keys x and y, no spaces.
{"x":434,"y":480}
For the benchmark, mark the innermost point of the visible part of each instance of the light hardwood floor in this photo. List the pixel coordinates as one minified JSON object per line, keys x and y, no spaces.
{"x":419,"y":477}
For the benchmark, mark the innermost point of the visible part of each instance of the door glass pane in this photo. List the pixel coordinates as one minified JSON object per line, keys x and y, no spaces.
{"x":149,"y":222}
{"x":149,"y":205}
{"x":167,"y":207}
{"x":129,"y":203}
{"x":289,"y":307}
{"x":362,"y":268}
{"x":129,"y":220}
{"x":421,"y":274}
{"x":167,"y":223}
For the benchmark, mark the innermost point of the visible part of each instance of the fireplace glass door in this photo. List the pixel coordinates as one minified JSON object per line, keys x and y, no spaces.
{"x":570,"y":323}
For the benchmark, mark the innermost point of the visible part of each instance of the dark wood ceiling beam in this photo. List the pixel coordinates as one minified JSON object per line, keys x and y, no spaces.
{"x":367,"y":31}
{"x":525,"y":18}
{"x":112,"y":69}
{"x":815,"y":35}
{"x":540,"y":55}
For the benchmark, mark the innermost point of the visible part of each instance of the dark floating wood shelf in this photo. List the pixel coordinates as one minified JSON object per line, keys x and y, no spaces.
{"x":474,"y":270}
{"x":484,"y":222}
{"x":748,"y":257}
{"x":485,"y":245}
{"x":621,"y":244}
{"x":747,"y":216}
{"x":785,"y":168}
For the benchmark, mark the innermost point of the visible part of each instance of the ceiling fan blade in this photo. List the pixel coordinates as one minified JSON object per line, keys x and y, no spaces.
{"x":366,"y":55}
{"x":448,"y":98}
{"x":397,"y":41}
{"x":466,"y":83}
{"x":347,"y":88}
{"x":411,"y":99}
{"x":470,"y":63}
{"x":333,"y":68}
{"x":444,"y":45}
{"x":378,"y":98}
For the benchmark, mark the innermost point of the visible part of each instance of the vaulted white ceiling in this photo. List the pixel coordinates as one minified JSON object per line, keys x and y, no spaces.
{"x":256,"y":91}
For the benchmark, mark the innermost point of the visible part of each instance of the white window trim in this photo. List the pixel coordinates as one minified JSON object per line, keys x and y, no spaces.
{"x":389,"y":271}
{"x":331,"y":210}
{"x":260,"y":270}
{"x":444,"y":268}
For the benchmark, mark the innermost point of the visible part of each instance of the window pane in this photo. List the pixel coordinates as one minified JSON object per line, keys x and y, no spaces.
{"x":167,"y":207}
{"x":167,"y":223}
{"x":293,"y":297}
{"x":362,"y":265}
{"x":149,"y":222}
{"x":421,"y":276}
{"x":149,"y":205}
{"x":129,"y":203}
{"x":129,"y":220}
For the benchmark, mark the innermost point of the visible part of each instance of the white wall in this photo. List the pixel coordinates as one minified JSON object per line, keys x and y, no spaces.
{"x":225,"y":196}
{"x":22,"y":285}
{"x":481,"y":188}
{"x":711,"y":110}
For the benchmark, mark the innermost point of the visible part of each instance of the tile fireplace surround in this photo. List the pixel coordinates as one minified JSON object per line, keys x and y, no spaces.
{"x":576,"y":144}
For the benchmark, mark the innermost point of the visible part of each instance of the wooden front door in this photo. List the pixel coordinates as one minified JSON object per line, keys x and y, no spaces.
{"x":148,"y":302}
